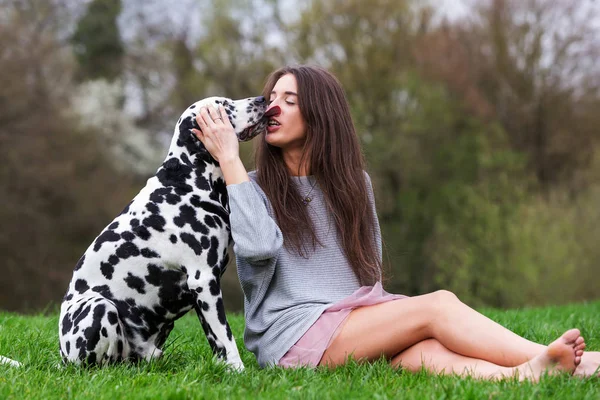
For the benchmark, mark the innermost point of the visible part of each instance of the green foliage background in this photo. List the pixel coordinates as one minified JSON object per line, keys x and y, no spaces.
{"x":481,"y":138}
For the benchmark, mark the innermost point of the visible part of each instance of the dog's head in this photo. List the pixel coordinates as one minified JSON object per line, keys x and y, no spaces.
{"x":247,"y":116}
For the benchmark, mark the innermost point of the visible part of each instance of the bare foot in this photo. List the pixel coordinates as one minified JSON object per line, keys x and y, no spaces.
{"x":562,"y":355}
{"x":590,"y":365}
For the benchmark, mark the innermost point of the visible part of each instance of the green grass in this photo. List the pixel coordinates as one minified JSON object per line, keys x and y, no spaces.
{"x":188,"y":370}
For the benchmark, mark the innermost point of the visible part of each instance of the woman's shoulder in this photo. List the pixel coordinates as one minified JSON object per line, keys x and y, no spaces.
{"x":367,"y":176}
{"x":252,"y":175}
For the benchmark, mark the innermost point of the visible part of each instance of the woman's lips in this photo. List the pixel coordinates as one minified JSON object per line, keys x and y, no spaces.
{"x":273,"y":128}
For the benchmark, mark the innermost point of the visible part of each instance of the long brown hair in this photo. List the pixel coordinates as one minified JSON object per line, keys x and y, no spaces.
{"x":333,"y":155}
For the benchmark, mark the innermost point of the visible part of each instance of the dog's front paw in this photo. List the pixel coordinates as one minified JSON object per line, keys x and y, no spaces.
{"x":236,"y":366}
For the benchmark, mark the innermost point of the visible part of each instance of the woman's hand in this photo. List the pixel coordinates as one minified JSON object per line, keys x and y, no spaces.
{"x":217,"y":134}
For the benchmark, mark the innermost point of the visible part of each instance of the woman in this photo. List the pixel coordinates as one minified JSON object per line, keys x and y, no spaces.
{"x":308,"y":252}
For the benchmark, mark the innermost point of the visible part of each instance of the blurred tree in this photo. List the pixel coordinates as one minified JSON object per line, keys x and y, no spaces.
{"x":53,"y":177}
{"x":97,"y":42}
{"x":536,"y":63}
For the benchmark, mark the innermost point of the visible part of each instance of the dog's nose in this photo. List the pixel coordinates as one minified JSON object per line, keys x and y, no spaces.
{"x":260,"y":100}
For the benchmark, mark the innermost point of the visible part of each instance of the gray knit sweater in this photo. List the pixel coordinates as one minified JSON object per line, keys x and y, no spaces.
{"x":284,"y":293}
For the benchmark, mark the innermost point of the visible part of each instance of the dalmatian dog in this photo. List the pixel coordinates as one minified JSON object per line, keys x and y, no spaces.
{"x":161,"y":257}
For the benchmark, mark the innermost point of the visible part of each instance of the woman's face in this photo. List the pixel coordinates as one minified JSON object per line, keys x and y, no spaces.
{"x":287,"y":129}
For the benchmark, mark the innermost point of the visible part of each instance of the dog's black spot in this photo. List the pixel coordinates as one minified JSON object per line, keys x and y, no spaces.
{"x":229,"y":334}
{"x":134,"y":223}
{"x":214,"y":287}
{"x":104,"y":332}
{"x":202,"y":183}
{"x":106,"y":236}
{"x":205,"y":306}
{"x":155,"y":222}
{"x":205,"y":242}
{"x":127,"y":236}
{"x":147,"y":253}
{"x":80,"y":315}
{"x":67,"y":324}
{"x":135,"y":282}
{"x":186,"y":160}
{"x":81,"y":344}
{"x":120,"y":346}
{"x":160,"y":310}
{"x":158,"y":196}
{"x":80,"y":263}
{"x":68,"y":347}
{"x":104,"y":290}
{"x":221,"y":311}
{"x":173,"y":293}
{"x":187,"y":215}
{"x":113,"y":226}
{"x":92,"y":333}
{"x":195,"y":201}
{"x":127,"y":250}
{"x":91,"y":358}
{"x":113,"y":259}
{"x":192,"y":106}
{"x":197,"y":276}
{"x":173,"y":199}
{"x":219,"y":194}
{"x":210,"y":221}
{"x":174,"y":174}
{"x":112,"y":318}
{"x":142,"y":232}
{"x":81,"y":286}
{"x":152,"y":207}
{"x":173,"y":239}
{"x":107,"y":270}
{"x":213,"y":256}
{"x":192,"y":242}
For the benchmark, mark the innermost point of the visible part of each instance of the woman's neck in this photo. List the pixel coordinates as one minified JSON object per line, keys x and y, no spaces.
{"x":292,"y":160}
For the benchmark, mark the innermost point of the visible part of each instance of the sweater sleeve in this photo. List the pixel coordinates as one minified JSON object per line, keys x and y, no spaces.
{"x":255,"y":234}
{"x":376,"y":227}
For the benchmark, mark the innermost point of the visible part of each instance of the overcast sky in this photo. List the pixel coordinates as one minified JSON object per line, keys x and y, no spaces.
{"x":452,"y":8}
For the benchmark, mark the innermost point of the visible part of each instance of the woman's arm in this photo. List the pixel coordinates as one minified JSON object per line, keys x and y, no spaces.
{"x":376,"y":227}
{"x":256,"y":235}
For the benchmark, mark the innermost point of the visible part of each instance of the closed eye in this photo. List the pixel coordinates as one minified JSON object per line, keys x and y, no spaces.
{"x":291,"y":103}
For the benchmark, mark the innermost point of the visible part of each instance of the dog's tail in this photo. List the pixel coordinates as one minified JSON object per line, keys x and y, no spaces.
{"x":13,"y":363}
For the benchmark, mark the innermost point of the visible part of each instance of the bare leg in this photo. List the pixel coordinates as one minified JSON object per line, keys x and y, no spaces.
{"x":390,"y":328}
{"x":560,"y":356}
{"x":590,"y":364}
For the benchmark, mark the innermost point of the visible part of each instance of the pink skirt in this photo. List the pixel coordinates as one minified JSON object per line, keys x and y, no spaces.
{"x":309,"y":349}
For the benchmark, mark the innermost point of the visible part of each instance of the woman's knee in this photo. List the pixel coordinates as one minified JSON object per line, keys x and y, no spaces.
{"x":443,"y":298}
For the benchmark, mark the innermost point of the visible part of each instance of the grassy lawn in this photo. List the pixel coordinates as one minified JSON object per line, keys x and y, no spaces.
{"x":188,"y":371}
